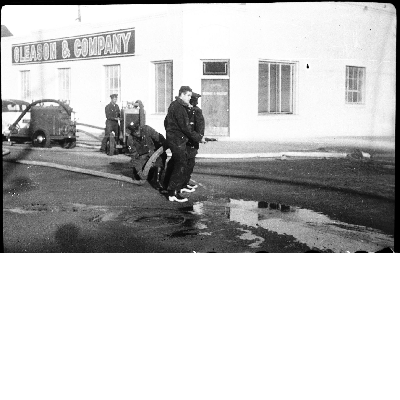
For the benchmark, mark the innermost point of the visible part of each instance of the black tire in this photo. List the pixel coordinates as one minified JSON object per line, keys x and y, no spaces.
{"x":68,"y":144}
{"x":111,"y":150}
{"x":41,"y":139}
{"x":108,"y":147}
{"x":72,"y":144}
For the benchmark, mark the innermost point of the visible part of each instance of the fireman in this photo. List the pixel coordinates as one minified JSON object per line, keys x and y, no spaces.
{"x":113,"y":115}
{"x":178,"y":132}
{"x":142,"y":142}
{"x":197,"y":123}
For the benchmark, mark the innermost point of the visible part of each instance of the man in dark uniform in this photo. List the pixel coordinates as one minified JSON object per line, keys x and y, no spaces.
{"x":179,"y":132}
{"x":142,"y":142}
{"x":197,"y":123}
{"x":113,"y":115}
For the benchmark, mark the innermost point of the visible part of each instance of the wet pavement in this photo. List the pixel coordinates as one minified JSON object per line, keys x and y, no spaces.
{"x":245,"y":225}
{"x":213,"y":220}
{"x":316,"y":230}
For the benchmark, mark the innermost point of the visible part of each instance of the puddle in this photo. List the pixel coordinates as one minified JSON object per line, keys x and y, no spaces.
{"x":311,"y":228}
{"x":250,"y":222}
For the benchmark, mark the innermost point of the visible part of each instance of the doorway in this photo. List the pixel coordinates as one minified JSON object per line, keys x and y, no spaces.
{"x":215,"y":106}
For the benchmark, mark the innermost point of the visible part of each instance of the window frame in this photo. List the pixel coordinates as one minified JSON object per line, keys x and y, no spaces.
{"x":64,"y":88}
{"x":215,"y":76}
{"x":293,"y":78}
{"x":26,"y":92}
{"x":109,"y":88}
{"x":158,"y":109}
{"x":359,"y":89}
{"x":224,"y":73}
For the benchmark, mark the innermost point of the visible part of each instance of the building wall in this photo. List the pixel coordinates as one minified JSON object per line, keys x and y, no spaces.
{"x":326,"y":37}
{"x":321,"y":38}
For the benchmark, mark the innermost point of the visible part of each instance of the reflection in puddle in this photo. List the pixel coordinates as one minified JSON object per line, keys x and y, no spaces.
{"x":311,"y":228}
{"x":247,"y":235}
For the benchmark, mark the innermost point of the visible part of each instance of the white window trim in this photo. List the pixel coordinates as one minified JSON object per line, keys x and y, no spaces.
{"x":70,"y":84}
{"x":153,"y":87}
{"x":364,"y":91}
{"x":227,"y":60}
{"x":23,"y":97}
{"x":294,"y":75}
{"x":106,"y":84}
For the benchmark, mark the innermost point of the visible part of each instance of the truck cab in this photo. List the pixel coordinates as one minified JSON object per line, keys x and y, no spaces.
{"x":47,"y":123}
{"x":11,"y":109}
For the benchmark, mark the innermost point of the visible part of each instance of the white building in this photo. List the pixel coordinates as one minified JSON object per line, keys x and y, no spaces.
{"x":265,"y":71}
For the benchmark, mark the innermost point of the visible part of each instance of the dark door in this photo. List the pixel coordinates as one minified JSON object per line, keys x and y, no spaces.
{"x":215,"y":106}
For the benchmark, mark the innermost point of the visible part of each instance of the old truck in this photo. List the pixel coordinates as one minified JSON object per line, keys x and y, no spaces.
{"x":46,"y":124}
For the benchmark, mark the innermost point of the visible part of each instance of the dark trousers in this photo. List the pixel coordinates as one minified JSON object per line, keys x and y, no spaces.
{"x":191,"y":161}
{"x":110,"y":126}
{"x":176,"y":168}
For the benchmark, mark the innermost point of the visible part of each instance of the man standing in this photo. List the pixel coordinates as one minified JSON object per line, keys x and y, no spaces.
{"x":197,"y":123}
{"x":113,"y":115}
{"x":179,"y":132}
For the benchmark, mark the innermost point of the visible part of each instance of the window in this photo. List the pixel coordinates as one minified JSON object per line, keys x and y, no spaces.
{"x":163,"y":74}
{"x":215,"y":68}
{"x":113,"y":81}
{"x":275,"y":87}
{"x":64,"y":84}
{"x":25,"y":86}
{"x":355,"y":83}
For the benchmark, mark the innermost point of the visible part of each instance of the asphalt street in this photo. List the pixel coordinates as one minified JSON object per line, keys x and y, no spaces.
{"x":275,"y":205}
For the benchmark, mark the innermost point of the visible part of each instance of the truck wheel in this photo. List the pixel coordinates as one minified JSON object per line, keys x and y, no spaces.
{"x":110,"y":147}
{"x":72,"y":144}
{"x":40,"y":139}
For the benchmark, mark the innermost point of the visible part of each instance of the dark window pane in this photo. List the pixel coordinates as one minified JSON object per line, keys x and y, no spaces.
{"x":263,"y":88}
{"x":274,"y":75}
{"x":285,"y":89}
{"x":168,"y":91}
{"x":215,"y":68}
{"x":163,"y":77}
{"x":161,"y":87}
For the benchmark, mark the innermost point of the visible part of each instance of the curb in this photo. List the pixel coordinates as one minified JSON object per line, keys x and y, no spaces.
{"x":277,"y":155}
{"x":303,"y":154}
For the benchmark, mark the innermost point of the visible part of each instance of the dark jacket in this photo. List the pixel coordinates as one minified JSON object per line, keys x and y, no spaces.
{"x":177,"y":124}
{"x":141,"y":149}
{"x":112,"y":111}
{"x":197,"y":123}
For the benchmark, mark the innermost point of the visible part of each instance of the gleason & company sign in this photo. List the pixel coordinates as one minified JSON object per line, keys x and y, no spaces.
{"x":119,"y":43}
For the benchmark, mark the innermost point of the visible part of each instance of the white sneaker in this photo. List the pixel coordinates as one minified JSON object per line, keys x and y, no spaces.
{"x":187,"y":190}
{"x":178,"y":198}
